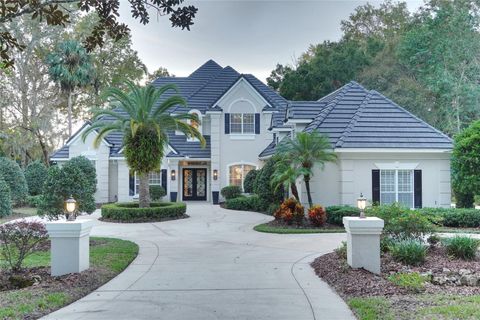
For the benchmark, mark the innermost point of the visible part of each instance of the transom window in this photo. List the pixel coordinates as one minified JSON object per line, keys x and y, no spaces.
{"x":396,"y":186}
{"x":154,"y":179}
{"x":242,"y":123}
{"x":237,"y":173}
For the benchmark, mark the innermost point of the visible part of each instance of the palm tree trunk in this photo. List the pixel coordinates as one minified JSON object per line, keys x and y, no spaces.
{"x":307,"y":186}
{"x":144,"y":191}
{"x":294,"y":189}
{"x":69,"y":113}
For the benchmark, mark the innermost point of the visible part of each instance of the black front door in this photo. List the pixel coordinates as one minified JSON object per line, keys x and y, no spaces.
{"x":194,"y":184}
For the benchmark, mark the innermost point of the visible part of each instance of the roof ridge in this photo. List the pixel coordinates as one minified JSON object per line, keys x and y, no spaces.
{"x":246,"y":75}
{"x":206,"y":83}
{"x":412,"y":115}
{"x":354,"y":120}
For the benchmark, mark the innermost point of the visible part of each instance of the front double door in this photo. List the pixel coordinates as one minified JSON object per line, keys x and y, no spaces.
{"x":194,"y":184}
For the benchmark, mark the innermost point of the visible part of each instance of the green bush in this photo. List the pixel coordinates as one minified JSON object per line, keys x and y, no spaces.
{"x":35,"y":175}
{"x":74,"y":178}
{"x":87,"y":168}
{"x":342,"y":250}
{"x":130,"y":212}
{"x":15,"y":179}
{"x":157,"y":192}
{"x":34,"y":201}
{"x":5,"y":199}
{"x":413,"y":282}
{"x":264,"y":188}
{"x":462,"y":247}
{"x":272,"y":208}
{"x":249,"y":181}
{"x":251,"y":203}
{"x":335,"y":214}
{"x":231,"y":192}
{"x":409,"y":251}
{"x":402,"y":223}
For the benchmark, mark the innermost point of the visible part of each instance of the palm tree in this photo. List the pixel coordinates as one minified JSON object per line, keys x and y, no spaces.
{"x":144,"y":121}
{"x":304,"y":151}
{"x":285,"y":176}
{"x":71,"y":67}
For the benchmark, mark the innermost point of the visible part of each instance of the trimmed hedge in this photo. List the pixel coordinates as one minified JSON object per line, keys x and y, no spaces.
{"x":130,"y":212}
{"x":453,"y":217}
{"x":252,"y":203}
{"x":335,"y":214}
{"x":157,"y":192}
{"x":231,"y":192}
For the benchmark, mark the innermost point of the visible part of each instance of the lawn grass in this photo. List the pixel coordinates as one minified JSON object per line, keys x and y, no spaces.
{"x":112,"y":255}
{"x":18,"y":213}
{"x":264,"y":227}
{"x":457,"y":230}
{"x":429,"y":307}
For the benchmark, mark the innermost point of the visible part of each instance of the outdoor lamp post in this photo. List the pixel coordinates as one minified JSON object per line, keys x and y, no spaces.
{"x":361,"y":204}
{"x":70,"y":207}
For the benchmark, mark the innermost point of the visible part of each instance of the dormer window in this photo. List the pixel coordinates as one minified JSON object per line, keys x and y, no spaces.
{"x":242,"y":123}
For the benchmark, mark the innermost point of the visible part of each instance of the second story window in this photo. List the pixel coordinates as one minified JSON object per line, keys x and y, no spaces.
{"x":242,"y":123}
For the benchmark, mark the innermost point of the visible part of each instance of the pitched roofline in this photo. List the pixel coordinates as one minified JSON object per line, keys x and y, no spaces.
{"x":75,"y":136}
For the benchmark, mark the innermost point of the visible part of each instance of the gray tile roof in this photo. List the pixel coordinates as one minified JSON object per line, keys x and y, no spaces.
{"x":188,"y":149}
{"x":62,"y":153}
{"x":201,"y":89}
{"x":304,"y":110}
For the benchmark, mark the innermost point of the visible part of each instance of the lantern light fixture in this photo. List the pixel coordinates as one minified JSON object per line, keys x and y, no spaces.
{"x":70,"y":207}
{"x":361,"y":204}
{"x":215,"y":174}
{"x":173,"y":175}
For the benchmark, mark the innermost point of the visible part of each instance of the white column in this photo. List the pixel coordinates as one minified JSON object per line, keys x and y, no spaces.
{"x":173,"y":165}
{"x":70,"y":247}
{"x":363,"y":242}
{"x":215,"y":152}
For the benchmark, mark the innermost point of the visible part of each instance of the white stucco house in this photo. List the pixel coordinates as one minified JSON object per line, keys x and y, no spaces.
{"x":384,"y":151}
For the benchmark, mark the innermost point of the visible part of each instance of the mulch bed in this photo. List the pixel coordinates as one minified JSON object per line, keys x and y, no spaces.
{"x":183,"y":216}
{"x":306,"y":224}
{"x":349,"y":282}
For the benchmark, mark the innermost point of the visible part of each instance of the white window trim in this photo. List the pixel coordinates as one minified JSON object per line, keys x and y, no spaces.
{"x":135,"y":191}
{"x":242,"y":123}
{"x":396,"y":184}
{"x":396,"y":166}
{"x":227,"y":182}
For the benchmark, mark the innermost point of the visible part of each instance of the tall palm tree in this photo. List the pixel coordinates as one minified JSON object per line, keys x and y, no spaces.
{"x":144,"y":121}
{"x":286,"y":175}
{"x":71,"y":67}
{"x":305,"y":151}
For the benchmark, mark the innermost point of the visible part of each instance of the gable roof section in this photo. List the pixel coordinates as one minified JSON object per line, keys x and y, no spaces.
{"x":303,"y":110}
{"x":188,"y":149}
{"x":361,"y":118}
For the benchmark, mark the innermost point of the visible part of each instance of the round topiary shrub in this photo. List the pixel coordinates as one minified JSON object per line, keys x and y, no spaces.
{"x":87,"y":168}
{"x":5,"y":199}
{"x":157,"y":192}
{"x":130,"y":212}
{"x":248,"y":183}
{"x":13,"y":176}
{"x":35,"y":175}
{"x":231,"y":192}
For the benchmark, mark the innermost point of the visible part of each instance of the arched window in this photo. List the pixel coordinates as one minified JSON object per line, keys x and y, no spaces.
{"x":238,"y":172}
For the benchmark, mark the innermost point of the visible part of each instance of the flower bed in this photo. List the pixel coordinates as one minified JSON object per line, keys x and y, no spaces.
{"x":130,"y":212}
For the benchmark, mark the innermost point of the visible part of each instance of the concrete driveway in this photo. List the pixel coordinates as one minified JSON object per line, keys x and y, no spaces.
{"x":213,"y":266}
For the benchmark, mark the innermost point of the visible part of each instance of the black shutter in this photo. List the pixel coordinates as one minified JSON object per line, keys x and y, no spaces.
{"x":164,"y":179}
{"x":227,"y":123}
{"x":376,"y":186}
{"x":131,"y":183}
{"x":417,"y":188}
{"x":257,"y":123}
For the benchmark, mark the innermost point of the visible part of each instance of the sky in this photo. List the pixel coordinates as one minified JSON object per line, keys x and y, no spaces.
{"x":251,"y":36}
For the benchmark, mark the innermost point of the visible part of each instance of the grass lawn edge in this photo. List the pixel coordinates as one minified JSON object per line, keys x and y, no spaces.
{"x":265,"y":228}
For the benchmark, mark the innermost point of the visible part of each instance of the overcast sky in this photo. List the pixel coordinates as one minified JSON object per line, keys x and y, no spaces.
{"x":250,"y":36}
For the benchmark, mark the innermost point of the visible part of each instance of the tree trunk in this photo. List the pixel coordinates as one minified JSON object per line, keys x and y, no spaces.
{"x":294,"y":189}
{"x":144,"y":191}
{"x":69,"y":113}
{"x":307,"y":186}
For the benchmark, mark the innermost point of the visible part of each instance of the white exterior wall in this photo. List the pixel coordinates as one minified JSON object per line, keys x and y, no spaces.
{"x":343,"y":183}
{"x":237,"y":149}
{"x":101,"y":157}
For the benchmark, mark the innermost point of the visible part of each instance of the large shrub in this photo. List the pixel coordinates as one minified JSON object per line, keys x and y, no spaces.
{"x":249,"y":181}
{"x":465,"y":163}
{"x":157,"y":192}
{"x":130,"y":212}
{"x":35,"y":175}
{"x":19,"y":239}
{"x":87,"y":168}
{"x":15,"y":179}
{"x":453,"y":217}
{"x":462,"y":247}
{"x":290,"y":211}
{"x":5,"y":198}
{"x":251,"y":203}
{"x":408,"y":251}
{"x":402,"y":223}
{"x":264,"y":188}
{"x":335,"y":214}
{"x":61,"y":183}
{"x":231,"y":192}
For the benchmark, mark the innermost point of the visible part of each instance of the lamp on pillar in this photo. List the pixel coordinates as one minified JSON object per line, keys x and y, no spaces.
{"x":70,"y":207}
{"x":361,"y":204}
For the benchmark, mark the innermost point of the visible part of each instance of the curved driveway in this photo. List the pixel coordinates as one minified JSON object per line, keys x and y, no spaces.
{"x":213,"y":266}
